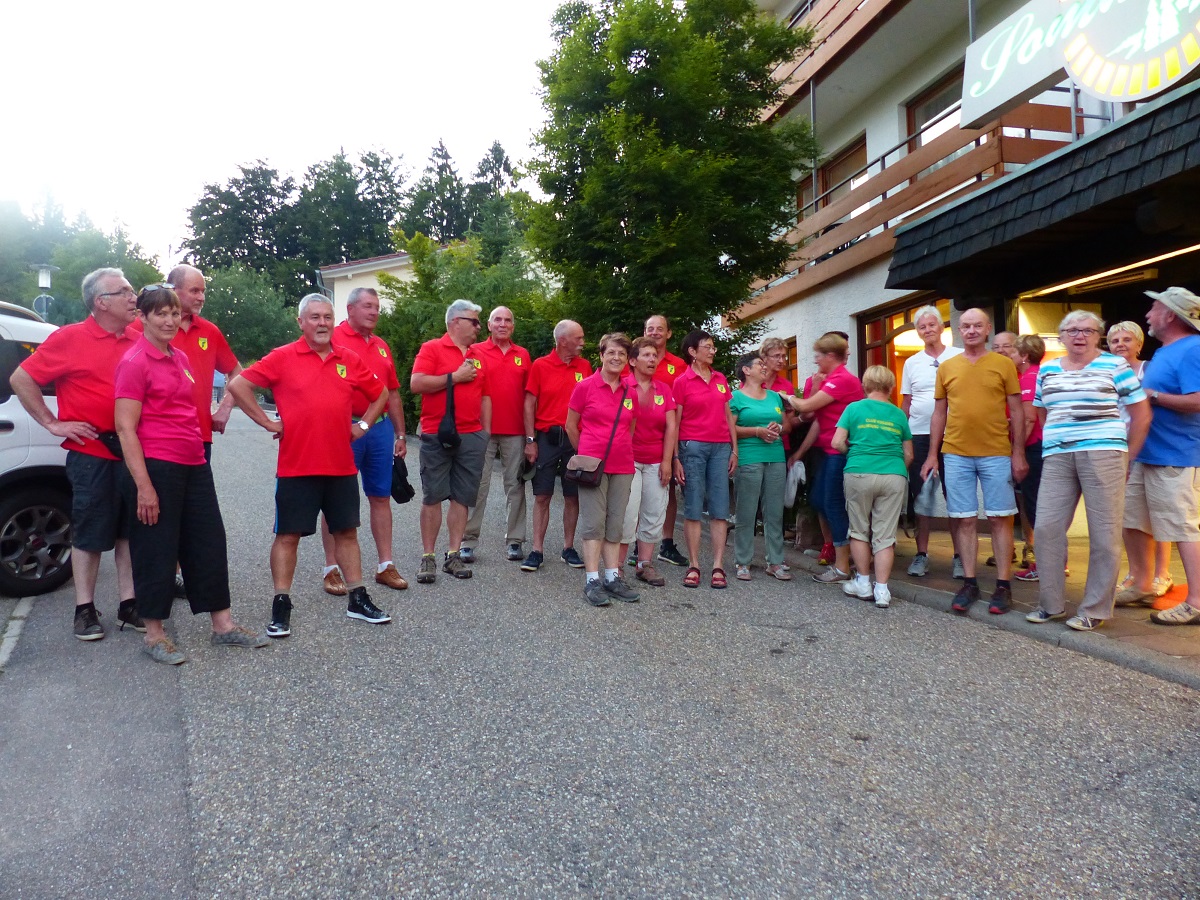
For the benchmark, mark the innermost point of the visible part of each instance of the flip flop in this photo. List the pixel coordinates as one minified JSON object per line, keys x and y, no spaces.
{"x":718,"y":580}
{"x":692,"y":578}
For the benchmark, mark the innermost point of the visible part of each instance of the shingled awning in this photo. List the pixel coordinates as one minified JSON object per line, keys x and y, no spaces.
{"x":1116,"y":196}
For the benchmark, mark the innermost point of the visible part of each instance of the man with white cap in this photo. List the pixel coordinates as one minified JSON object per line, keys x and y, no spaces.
{"x":1162,"y":497}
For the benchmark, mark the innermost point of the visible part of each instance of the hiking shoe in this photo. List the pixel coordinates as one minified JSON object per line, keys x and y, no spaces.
{"x":919,"y":567}
{"x":127,"y":615}
{"x":427,"y":573}
{"x":533,"y":561}
{"x":335,"y":584}
{"x":957,"y":571}
{"x":281,"y":617}
{"x":595,"y":593}
{"x":1040,"y":617}
{"x":1084,"y":623}
{"x":855,"y":588}
{"x":572,"y":558}
{"x":87,"y":623}
{"x":967,"y":594}
{"x":180,"y":587}
{"x":1001,"y":601}
{"x":827,"y":555}
{"x":669,"y":553}
{"x":238,"y":637}
{"x":618,"y":588}
{"x":361,"y":607}
{"x":455,"y":565}
{"x":466,"y":554}
{"x":883,"y":596}
{"x":390,"y":577}
{"x":1030,"y":573}
{"x":831,"y":575}
{"x":514,"y":553}
{"x":1160,"y":586}
{"x":647,"y":574}
{"x":1131,"y":596}
{"x":1182,"y":614}
{"x":780,"y":571}
{"x":164,"y":651}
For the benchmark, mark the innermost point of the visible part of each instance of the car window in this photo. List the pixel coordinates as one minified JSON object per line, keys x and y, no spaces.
{"x":12,"y":354}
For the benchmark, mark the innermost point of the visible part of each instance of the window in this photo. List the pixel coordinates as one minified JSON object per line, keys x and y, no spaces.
{"x":836,"y":178}
{"x":926,"y":107}
{"x":887,"y":337}
{"x":12,"y":354}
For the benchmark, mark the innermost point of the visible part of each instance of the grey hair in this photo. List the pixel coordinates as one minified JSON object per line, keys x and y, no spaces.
{"x":357,"y":294}
{"x":91,"y":284}
{"x":309,"y":299}
{"x":180,"y":272}
{"x":1077,"y":315}
{"x":1129,"y":328}
{"x":926,"y":311}
{"x":560,"y":330}
{"x":460,"y":306}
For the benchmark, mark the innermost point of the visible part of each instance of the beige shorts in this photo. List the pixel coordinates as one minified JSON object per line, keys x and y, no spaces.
{"x":1163,"y":501}
{"x":602,"y":508}
{"x":874,"y":504}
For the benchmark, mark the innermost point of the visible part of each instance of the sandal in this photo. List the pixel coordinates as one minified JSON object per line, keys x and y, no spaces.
{"x":718,"y":580}
{"x":743,"y":573}
{"x":692,"y":578}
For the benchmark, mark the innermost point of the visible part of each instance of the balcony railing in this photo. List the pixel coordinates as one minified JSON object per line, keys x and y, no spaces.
{"x":835,"y":236}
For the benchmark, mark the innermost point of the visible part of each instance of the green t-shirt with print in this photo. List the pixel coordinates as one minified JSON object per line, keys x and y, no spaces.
{"x":877,"y":431}
{"x":751,"y":413}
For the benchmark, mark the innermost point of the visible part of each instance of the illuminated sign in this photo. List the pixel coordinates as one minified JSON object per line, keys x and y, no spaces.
{"x":1119,"y":50}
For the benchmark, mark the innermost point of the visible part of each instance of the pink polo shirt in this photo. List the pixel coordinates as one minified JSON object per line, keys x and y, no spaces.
{"x":844,"y":387}
{"x":651,"y":421}
{"x":703,"y":413}
{"x":169,"y":428}
{"x":597,"y":404}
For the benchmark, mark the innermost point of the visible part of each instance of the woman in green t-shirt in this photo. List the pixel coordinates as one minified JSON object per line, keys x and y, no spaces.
{"x":875,"y":436}
{"x":761,"y":470}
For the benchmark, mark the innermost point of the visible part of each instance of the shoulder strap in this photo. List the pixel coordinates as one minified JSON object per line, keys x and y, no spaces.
{"x":620,"y":407}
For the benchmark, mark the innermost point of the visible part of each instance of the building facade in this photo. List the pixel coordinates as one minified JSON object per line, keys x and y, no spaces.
{"x":337,"y":281}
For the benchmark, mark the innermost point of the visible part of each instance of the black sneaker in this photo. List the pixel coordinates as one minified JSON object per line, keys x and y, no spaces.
{"x":87,"y":623}
{"x":621,"y":590}
{"x":1001,"y":601}
{"x":361,"y":607}
{"x":127,"y":615}
{"x":595,"y":593}
{"x":967,"y":594}
{"x":572,"y":558}
{"x":533,"y":561}
{"x":669,"y":553}
{"x":281,"y":617}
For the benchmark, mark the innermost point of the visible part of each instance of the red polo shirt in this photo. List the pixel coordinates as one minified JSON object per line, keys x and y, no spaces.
{"x":442,"y":357}
{"x":81,"y":361}
{"x":507,"y":375}
{"x":597,"y":403}
{"x":377,"y":355}
{"x":168,"y":428}
{"x":314,"y":397}
{"x":551,"y":381}
{"x":651,"y":421}
{"x":669,"y":368}
{"x":207,"y":352}
{"x":703,"y":416}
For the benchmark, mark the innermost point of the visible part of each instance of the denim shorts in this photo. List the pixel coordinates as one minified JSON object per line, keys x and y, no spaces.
{"x":706,"y":474}
{"x":373,"y":453}
{"x":992,"y":473}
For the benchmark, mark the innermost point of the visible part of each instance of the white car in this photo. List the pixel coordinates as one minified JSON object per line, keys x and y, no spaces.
{"x":35,"y":496}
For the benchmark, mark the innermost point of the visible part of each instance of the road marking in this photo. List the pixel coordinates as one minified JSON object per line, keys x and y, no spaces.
{"x":16,"y":622}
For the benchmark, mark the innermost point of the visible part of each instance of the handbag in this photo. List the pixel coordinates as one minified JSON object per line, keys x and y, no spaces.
{"x":447,"y":433}
{"x":586,"y":471}
{"x":402,"y":491}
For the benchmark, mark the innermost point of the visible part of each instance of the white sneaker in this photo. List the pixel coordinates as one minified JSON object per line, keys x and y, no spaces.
{"x":883,"y":597}
{"x":856,"y":588}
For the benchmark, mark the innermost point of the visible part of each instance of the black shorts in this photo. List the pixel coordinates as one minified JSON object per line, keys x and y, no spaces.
{"x":99,"y":516}
{"x":300,"y":499}
{"x":554,"y":450}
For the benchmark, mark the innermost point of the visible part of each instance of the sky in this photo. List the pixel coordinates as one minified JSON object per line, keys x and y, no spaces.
{"x":124,"y":111}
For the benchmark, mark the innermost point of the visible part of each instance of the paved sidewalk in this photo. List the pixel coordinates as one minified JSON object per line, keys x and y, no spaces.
{"x":1129,"y":639}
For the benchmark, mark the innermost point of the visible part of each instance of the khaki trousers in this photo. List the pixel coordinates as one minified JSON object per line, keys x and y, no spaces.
{"x":510,"y":448}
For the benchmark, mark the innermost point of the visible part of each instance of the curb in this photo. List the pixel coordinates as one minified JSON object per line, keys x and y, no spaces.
{"x":1121,"y":653}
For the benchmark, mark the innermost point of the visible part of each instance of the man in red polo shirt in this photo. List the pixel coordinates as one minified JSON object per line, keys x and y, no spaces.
{"x":81,"y":361}
{"x":314,"y":382}
{"x":552,"y":379}
{"x":375,"y":450}
{"x":451,"y":462}
{"x":670,"y":367}
{"x":507,"y":367}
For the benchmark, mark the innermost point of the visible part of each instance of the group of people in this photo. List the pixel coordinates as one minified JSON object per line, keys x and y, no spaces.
{"x":134,"y":386}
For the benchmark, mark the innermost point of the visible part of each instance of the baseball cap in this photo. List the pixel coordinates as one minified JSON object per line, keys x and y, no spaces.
{"x":1182,"y":302}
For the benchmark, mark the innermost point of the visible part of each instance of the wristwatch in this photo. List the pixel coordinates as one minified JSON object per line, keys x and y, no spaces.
{"x":363,"y":425}
{"x":530,"y":440}
{"x":1153,"y":395}
{"x":402,"y":437}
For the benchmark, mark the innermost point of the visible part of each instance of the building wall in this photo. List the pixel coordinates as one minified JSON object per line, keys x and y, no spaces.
{"x":343,"y":284}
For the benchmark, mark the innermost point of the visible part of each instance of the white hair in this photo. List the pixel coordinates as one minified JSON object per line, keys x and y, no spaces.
{"x":91,"y":284}
{"x":560,"y":330}
{"x":309,"y":299}
{"x":458,"y":307}
{"x":358,"y":293}
{"x":926,"y":311}
{"x":1080,"y":315}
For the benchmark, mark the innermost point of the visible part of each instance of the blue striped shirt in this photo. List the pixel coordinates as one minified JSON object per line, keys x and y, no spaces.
{"x":1083,"y":406}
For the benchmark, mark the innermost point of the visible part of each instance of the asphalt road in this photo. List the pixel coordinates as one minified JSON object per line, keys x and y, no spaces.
{"x":502,"y":739}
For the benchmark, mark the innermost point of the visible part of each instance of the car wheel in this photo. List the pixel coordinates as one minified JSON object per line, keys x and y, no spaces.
{"x":35,"y":542}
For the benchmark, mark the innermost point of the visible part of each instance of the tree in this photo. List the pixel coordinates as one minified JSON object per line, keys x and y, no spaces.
{"x":437,"y":203}
{"x":664,"y":186}
{"x":254,"y":315}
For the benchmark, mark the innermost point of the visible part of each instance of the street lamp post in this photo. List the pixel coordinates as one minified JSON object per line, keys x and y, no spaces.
{"x":41,"y":303}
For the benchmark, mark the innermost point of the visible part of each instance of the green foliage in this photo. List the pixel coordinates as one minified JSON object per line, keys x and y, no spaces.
{"x":254,"y":315}
{"x":664,"y":187}
{"x":437,"y":203}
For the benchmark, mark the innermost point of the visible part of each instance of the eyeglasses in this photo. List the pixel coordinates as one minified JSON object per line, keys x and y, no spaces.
{"x":123,"y":292}
{"x":475,"y":323}
{"x":1077,"y":332}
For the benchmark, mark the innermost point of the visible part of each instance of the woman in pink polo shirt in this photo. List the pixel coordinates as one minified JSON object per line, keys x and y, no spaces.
{"x":707,"y":453}
{"x":600,"y":417}
{"x":170,"y":485}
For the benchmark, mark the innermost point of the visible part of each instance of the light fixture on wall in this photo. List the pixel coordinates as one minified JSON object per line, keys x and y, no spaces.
{"x":1105,"y":275}
{"x":1102,"y":284}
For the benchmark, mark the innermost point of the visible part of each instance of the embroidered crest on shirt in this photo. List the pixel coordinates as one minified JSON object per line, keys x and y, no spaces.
{"x":658,"y":399}
{"x":203,"y":342}
{"x":382,"y":352}
{"x":477,"y":364}
{"x":721,"y":388}
{"x":517,"y":361}
{"x":628,"y":404}
{"x":579,"y":376}
{"x":341,"y":370}
{"x":670,"y":368}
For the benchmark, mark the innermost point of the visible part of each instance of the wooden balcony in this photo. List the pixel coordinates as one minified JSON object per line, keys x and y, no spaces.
{"x":837,"y":236}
